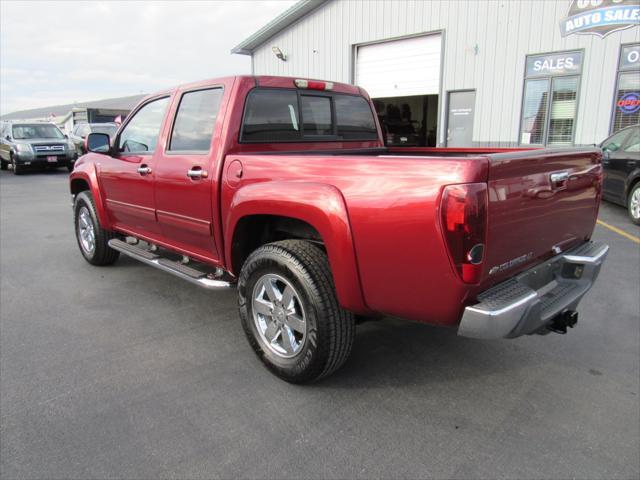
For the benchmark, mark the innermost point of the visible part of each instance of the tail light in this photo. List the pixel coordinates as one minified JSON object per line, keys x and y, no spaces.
{"x":464,"y":223}
{"x":313,"y":84}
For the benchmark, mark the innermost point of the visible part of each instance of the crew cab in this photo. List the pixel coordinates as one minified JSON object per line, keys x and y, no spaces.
{"x":284,"y":189}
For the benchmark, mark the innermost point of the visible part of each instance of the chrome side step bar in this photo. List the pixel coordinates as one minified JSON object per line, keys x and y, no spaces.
{"x":197,"y":277}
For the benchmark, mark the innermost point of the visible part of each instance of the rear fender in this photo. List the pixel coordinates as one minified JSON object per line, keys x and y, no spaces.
{"x":321,"y":206}
{"x":87,"y":173}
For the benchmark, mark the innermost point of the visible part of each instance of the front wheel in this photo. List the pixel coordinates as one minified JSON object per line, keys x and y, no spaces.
{"x":290,"y":313}
{"x":633,"y":204}
{"x":17,"y":168}
{"x":92,"y":238}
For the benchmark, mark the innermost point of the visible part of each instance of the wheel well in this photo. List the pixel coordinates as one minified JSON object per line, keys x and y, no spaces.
{"x":255,"y":230}
{"x":632,"y":185}
{"x":78,"y":185}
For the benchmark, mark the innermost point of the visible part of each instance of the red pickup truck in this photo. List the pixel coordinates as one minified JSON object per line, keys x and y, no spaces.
{"x":283,"y":187}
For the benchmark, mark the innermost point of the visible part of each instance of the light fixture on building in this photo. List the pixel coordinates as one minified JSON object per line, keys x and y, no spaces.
{"x":278,"y":53}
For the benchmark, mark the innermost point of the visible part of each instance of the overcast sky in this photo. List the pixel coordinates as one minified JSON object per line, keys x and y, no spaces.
{"x":54,"y":53}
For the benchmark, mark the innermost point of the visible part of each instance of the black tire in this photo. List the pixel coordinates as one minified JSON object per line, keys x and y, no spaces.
{"x":3,"y":165}
{"x":330,"y":330}
{"x":101,"y":254}
{"x":17,"y":169}
{"x":70,"y":167}
{"x":634,"y":193}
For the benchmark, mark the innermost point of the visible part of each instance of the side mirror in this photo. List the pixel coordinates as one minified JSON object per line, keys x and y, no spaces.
{"x":98,"y":143}
{"x":606,"y":155}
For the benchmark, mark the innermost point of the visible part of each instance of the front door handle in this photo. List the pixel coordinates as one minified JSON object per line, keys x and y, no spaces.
{"x":144,"y":170}
{"x":197,"y":172}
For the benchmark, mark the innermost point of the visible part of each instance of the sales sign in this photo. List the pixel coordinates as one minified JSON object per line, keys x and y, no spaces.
{"x":565,"y":63}
{"x":600,"y":17}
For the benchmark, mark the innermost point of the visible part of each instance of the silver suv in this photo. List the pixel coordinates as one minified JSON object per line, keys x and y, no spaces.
{"x":25,"y":145}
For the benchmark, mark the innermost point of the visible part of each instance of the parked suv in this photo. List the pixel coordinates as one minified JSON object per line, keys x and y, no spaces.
{"x":32,"y":145}
{"x":81,"y":130}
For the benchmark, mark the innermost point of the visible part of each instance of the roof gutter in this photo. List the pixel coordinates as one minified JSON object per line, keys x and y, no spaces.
{"x":275,"y":26}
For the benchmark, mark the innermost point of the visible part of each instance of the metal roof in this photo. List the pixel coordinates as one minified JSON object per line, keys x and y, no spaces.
{"x":120,"y":103}
{"x":282,"y":21}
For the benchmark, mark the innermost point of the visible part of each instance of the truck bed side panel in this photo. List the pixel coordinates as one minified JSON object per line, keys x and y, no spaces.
{"x":393,"y":205}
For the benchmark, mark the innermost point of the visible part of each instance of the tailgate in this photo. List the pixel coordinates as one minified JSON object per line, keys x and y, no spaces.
{"x":541,"y":202}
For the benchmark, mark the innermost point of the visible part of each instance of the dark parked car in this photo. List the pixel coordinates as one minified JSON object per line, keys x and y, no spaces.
{"x":32,"y":145}
{"x":621,"y":161}
{"x":81,"y":131}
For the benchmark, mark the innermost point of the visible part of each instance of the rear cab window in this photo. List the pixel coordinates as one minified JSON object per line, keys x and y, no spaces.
{"x":316,"y":115}
{"x":291,"y":115}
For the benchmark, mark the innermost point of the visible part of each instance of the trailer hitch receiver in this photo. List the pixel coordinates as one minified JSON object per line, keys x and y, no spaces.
{"x":562,"y":321}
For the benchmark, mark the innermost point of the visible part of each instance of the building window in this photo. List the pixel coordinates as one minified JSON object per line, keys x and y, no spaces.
{"x":626,"y":102}
{"x":550,"y":99}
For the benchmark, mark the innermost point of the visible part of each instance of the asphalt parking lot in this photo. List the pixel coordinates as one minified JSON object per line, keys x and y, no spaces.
{"x":127,"y":372}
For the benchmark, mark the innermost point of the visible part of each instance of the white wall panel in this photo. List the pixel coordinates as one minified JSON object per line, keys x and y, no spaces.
{"x":485,"y":44}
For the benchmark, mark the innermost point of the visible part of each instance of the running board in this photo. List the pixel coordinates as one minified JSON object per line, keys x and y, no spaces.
{"x":190,"y":274}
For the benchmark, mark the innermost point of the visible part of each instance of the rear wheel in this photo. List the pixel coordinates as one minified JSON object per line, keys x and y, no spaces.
{"x":633,"y":204}
{"x":290,"y":312}
{"x":92,"y":238}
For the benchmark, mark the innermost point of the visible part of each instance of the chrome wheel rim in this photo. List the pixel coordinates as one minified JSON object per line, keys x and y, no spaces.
{"x":86,"y":231}
{"x":634,"y":204}
{"x":278,"y":315}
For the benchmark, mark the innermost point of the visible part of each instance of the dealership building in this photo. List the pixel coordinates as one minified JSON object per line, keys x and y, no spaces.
{"x":469,"y":73}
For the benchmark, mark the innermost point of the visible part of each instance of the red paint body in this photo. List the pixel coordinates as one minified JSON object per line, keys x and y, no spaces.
{"x":377,"y":210}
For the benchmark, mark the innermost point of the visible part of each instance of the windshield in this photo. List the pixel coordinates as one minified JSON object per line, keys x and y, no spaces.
{"x":24,"y":132}
{"x":108,"y":129}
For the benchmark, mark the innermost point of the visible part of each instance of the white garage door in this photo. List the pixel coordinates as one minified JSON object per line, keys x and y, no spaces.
{"x":400,"y":67}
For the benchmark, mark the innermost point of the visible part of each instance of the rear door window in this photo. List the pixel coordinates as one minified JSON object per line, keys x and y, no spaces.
{"x":195,"y":120}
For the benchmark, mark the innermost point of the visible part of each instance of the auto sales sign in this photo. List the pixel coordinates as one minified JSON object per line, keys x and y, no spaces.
{"x":600,"y":17}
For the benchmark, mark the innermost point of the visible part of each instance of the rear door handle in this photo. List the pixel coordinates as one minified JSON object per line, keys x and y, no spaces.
{"x":144,"y":170}
{"x":197,"y":173}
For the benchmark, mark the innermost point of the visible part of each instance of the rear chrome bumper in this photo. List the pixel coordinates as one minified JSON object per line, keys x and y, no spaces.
{"x":529,"y":301}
